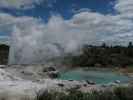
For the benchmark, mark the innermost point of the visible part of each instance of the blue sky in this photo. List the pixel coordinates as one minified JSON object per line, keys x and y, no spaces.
{"x":65,"y":8}
{"x":115,"y":12}
{"x":40,"y":29}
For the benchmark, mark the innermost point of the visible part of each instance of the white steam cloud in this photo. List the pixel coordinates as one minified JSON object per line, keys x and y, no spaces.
{"x":35,"y":42}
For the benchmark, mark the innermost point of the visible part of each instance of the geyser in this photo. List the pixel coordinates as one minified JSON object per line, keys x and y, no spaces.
{"x":34,"y":42}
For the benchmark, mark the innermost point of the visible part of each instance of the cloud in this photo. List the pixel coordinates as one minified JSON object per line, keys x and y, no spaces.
{"x":33,"y":41}
{"x":125,"y":8}
{"x":80,"y":10}
{"x":125,"y":19}
{"x":19,"y":4}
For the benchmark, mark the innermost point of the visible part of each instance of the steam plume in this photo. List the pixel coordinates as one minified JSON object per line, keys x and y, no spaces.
{"x":34,"y":42}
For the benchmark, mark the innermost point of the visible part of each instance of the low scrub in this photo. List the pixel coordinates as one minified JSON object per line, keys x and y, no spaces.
{"x":119,"y":93}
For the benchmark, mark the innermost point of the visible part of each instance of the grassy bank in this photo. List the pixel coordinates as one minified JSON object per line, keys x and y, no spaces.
{"x":118,"y":93}
{"x":127,"y":70}
{"x":119,"y":70}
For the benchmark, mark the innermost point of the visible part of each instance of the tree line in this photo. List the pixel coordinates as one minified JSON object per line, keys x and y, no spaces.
{"x":103,"y":56}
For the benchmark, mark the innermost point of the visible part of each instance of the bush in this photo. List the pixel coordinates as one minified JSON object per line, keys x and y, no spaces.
{"x":104,"y":55}
{"x":119,"y":93}
{"x":124,"y":93}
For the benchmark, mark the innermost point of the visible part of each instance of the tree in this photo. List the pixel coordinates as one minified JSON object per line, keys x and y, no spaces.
{"x":104,"y":45}
{"x":130,"y":45}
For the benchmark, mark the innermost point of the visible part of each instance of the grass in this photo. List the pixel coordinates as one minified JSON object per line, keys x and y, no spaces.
{"x":127,"y":70}
{"x":118,"y":93}
{"x":124,"y":93}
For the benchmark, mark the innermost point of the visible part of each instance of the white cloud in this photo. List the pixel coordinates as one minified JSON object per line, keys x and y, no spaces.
{"x":125,"y":8}
{"x":81,"y":10}
{"x":19,"y":4}
{"x":35,"y":41}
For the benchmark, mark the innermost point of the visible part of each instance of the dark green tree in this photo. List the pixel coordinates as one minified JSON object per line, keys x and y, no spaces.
{"x":130,"y":45}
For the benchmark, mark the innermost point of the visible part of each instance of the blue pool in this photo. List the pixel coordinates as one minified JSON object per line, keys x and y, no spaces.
{"x":100,"y":77}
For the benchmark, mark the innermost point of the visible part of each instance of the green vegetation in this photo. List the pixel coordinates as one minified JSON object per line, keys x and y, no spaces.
{"x":119,"y":93}
{"x":4,"y":53}
{"x":124,"y":93}
{"x":103,"y":56}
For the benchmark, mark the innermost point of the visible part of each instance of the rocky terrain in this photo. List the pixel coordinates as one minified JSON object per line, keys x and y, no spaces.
{"x":22,"y":82}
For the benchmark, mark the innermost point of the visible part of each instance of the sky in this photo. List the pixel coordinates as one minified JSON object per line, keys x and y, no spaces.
{"x":109,"y":20}
{"x":65,"y":8}
{"x":41,"y":29}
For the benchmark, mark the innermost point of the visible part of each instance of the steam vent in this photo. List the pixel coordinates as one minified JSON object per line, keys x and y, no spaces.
{"x":4,"y":53}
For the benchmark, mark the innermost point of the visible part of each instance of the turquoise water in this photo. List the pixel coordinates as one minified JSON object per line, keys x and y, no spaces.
{"x":100,"y":77}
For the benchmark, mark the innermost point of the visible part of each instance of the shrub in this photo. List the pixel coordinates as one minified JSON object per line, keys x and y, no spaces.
{"x":124,"y":93}
{"x":119,"y":93}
